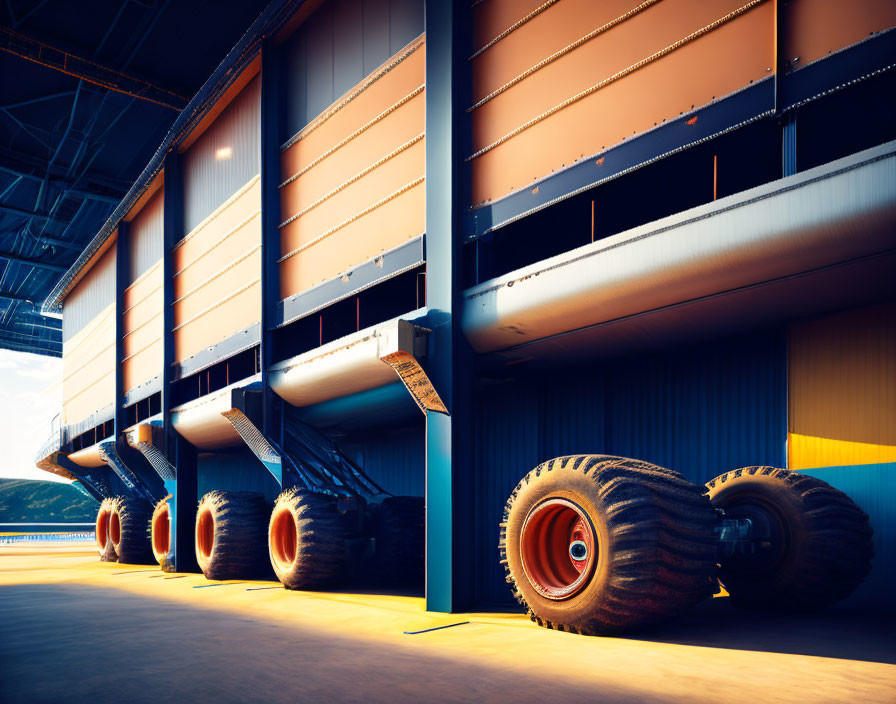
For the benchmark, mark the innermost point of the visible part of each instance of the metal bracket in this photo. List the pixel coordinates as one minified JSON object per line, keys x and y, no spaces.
{"x":109,"y":454}
{"x":146,"y":438}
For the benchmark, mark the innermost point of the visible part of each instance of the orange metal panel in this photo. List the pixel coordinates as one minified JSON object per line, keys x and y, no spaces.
{"x":215,"y":286}
{"x":842,"y":389}
{"x":567,"y":21}
{"x":495,"y":16}
{"x":88,"y":363}
{"x":407,"y":122}
{"x":372,"y":188}
{"x":385,"y":89}
{"x":814,"y":28}
{"x":218,"y":266}
{"x":222,"y":230}
{"x":143,"y":366}
{"x":706,"y":68}
{"x":237,"y":313}
{"x":384,"y":228}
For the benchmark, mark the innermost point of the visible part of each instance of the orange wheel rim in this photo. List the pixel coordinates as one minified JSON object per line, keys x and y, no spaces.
{"x":161,"y":533}
{"x":205,"y":534}
{"x":558,"y":548}
{"x":283,"y":540}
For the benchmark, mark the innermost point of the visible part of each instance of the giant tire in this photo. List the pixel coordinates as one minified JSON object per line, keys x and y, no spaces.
{"x":819,"y":547}
{"x":129,"y":530}
{"x":648,"y":535}
{"x":231,"y":528}
{"x":400,"y":541}
{"x":306,"y":540}
{"x":103,"y":544}
{"x":160,"y":532}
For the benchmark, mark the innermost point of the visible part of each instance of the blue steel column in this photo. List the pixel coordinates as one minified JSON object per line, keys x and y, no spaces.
{"x":270,"y":220}
{"x":449,"y":506}
{"x":182,"y":455}
{"x":122,"y":269}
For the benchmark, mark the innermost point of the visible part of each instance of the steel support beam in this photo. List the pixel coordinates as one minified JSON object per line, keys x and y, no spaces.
{"x":449,"y":524}
{"x":34,"y":263}
{"x":87,"y":70}
{"x":181,"y":454}
{"x":270,"y":220}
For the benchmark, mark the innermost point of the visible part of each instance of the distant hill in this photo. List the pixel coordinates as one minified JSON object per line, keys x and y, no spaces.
{"x":32,"y":501}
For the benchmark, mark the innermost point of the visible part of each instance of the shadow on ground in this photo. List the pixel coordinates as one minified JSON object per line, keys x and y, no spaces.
{"x":73,"y":643}
{"x":835,"y":633}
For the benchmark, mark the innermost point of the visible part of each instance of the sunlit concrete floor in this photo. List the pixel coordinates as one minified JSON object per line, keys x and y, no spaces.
{"x":74,"y":629}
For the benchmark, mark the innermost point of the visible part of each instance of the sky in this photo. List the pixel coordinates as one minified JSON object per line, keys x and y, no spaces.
{"x":30,"y":396}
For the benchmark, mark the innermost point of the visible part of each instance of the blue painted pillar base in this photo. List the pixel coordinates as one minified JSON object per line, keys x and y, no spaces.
{"x":182,"y":508}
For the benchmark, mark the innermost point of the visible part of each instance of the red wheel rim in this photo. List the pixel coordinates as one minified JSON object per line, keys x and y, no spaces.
{"x":283,"y":540}
{"x":102,"y":530}
{"x":558,"y":548}
{"x":161,"y":533}
{"x":205,"y":535}
{"x":115,"y":528}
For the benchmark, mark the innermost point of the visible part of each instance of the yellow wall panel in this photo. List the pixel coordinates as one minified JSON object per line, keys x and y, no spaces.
{"x":842,"y":389}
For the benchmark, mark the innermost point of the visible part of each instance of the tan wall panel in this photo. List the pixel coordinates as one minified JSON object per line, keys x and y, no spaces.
{"x":236,"y":314}
{"x":716,"y":64}
{"x":88,"y":363}
{"x":381,"y":94}
{"x":144,"y":366}
{"x":814,"y":28}
{"x":495,"y":16}
{"x":218,"y":266}
{"x":388,"y":178}
{"x":842,"y":389}
{"x":214,"y":290}
{"x":218,"y":230}
{"x":569,"y":20}
{"x":374,"y":144}
{"x":382,"y":229}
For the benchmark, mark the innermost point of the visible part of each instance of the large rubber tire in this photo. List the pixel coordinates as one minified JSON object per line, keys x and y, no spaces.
{"x":231,"y":530}
{"x":129,"y":530}
{"x":401,"y":540}
{"x":820,"y":545}
{"x":306,"y":540}
{"x":103,"y":544}
{"x":652,"y":551}
{"x":160,"y":532}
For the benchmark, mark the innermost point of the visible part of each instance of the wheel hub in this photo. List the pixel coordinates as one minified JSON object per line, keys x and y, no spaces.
{"x":558,"y":548}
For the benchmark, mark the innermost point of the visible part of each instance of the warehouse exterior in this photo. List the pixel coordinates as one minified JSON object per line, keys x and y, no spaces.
{"x":455,"y":240}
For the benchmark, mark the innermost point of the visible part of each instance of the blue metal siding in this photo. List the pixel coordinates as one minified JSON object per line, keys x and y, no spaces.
{"x":340,"y":44}
{"x":394,"y":460}
{"x":701,"y":410}
{"x":237,"y":470}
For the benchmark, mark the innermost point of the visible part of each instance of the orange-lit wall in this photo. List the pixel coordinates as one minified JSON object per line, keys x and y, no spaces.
{"x":581,"y":76}
{"x":88,"y":357}
{"x":812,"y":29}
{"x":217,"y":280}
{"x":353,"y":179}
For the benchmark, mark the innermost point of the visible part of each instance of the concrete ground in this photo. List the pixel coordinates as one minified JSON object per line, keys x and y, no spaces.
{"x":74,"y":629}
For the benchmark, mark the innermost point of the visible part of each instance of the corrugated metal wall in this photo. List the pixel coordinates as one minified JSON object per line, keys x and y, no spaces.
{"x":146,"y":236}
{"x":238,"y":470}
{"x":843,"y":389}
{"x":225,"y":157}
{"x":217,"y":280}
{"x":582,"y":76}
{"x":92,"y":294}
{"x":353,"y":179}
{"x":394,"y":459}
{"x":88,"y":351}
{"x":701,"y":410}
{"x":340,"y":44}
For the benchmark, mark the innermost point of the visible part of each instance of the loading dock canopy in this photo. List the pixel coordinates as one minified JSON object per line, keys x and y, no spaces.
{"x":786,"y":248}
